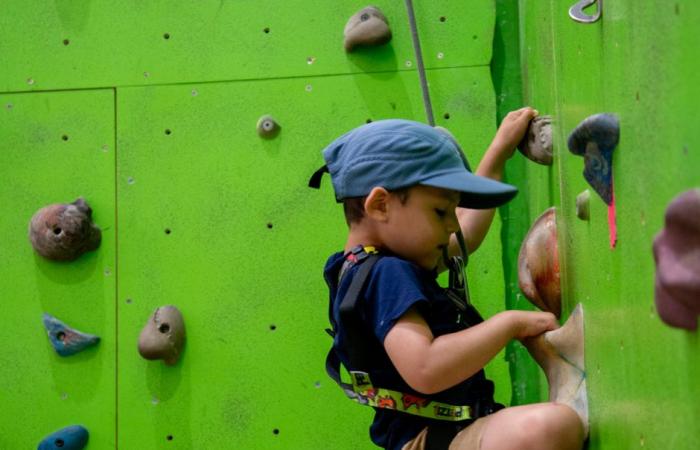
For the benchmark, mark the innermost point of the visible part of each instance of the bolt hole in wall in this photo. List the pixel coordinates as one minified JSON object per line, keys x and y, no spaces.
{"x":446,"y":115}
{"x":443,"y":18}
{"x":273,"y":327}
{"x":168,"y":131}
{"x":276,"y":431}
{"x":266,"y":30}
{"x":169,"y":437}
{"x":168,"y":231}
{"x":66,"y":41}
{"x":166,"y":36}
{"x":64,"y":137}
{"x":269,"y":225}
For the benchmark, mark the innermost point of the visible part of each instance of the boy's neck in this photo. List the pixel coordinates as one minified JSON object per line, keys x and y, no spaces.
{"x":361,"y":235}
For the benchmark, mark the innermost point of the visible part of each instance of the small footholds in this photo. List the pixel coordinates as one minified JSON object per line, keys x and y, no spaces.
{"x":267,"y":127}
{"x":537,"y":142}
{"x":538,"y":264}
{"x":677,"y":257}
{"x":163,"y":337}
{"x":64,"y":339}
{"x":63,"y":232}
{"x":74,"y":437}
{"x":583,"y":205}
{"x":367,"y":27}
{"x":595,"y":139}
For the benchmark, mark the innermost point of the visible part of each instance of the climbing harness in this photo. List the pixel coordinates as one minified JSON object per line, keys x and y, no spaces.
{"x":361,"y":389}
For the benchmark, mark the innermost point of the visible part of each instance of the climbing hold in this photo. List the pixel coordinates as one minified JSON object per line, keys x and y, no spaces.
{"x":677,"y":257}
{"x":538,"y":264}
{"x":62,"y":232}
{"x":163,"y":336}
{"x":583,"y":205}
{"x":576,"y":11}
{"x":368,"y":27}
{"x":595,"y":139}
{"x":267,"y":127}
{"x":74,"y":437}
{"x":65,"y":340}
{"x":560,"y":353}
{"x":537,"y":142}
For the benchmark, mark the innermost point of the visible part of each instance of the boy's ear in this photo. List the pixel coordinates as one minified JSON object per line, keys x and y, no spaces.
{"x":376,"y":204}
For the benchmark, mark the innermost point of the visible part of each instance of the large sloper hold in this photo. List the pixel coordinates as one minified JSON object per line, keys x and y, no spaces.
{"x":163,"y":337}
{"x":64,"y":339}
{"x":560,"y":353}
{"x":538,"y":264}
{"x":537,"y":142}
{"x":595,"y":139}
{"x":63,"y":232}
{"x":367,"y":27}
{"x":74,"y":437}
{"x":677,"y":256}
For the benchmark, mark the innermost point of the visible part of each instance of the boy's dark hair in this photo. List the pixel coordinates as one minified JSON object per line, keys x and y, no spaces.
{"x":354,"y":207}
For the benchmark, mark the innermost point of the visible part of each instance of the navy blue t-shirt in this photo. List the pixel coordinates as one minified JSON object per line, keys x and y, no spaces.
{"x":392,"y":288}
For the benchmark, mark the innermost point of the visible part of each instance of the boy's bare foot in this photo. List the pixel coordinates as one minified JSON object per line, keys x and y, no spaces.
{"x":560,"y":354}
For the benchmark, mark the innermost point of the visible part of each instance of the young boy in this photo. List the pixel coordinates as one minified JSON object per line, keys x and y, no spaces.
{"x":407,"y":190}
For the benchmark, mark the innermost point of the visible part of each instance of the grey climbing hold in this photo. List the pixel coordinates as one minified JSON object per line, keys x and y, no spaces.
{"x":583,"y":211}
{"x":74,"y":437}
{"x":64,"y":339}
{"x":537,"y":142}
{"x":367,"y":27}
{"x":163,"y":337}
{"x":267,"y":127}
{"x":63,"y":232}
{"x":595,"y":138}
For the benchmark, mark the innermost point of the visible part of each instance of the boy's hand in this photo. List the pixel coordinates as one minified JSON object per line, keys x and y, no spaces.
{"x":531,"y":323}
{"x":512,"y":131}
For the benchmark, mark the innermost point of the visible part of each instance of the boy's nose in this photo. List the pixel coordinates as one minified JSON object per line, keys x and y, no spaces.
{"x":452,"y":223}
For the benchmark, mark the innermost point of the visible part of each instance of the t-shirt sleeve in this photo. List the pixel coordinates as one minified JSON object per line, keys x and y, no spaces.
{"x":393,"y":288}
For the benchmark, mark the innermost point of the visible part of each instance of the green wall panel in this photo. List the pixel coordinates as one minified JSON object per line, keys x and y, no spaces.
{"x":40,"y":391}
{"x":638,"y":63}
{"x":65,"y":45}
{"x":245,"y":250}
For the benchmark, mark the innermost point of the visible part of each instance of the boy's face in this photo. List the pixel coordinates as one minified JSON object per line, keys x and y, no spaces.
{"x":419,"y":229}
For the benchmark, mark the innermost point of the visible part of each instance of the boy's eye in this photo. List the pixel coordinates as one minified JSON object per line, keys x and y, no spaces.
{"x":440,"y":212}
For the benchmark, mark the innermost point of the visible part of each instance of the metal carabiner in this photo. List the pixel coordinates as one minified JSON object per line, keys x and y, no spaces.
{"x":576,"y":11}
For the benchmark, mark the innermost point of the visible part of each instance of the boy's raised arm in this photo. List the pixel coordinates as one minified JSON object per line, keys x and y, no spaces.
{"x":475,"y":223}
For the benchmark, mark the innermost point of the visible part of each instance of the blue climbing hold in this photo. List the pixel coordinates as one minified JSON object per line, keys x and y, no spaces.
{"x":74,"y":437}
{"x":65,"y":340}
{"x":595,"y":139}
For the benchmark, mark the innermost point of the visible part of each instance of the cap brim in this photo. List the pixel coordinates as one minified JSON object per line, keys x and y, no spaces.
{"x":476,"y":192}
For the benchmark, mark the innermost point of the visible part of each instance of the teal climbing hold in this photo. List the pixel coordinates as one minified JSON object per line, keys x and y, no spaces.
{"x":64,"y":339}
{"x":74,"y":437}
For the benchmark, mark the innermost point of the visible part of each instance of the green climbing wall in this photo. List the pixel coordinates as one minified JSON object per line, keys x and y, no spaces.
{"x":640,"y":63}
{"x":148,"y":110}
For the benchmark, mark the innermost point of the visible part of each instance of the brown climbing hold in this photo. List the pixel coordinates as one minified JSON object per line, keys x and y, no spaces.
{"x":63,"y":232}
{"x":163,"y":337}
{"x":367,"y":27}
{"x":677,"y":256}
{"x":538,"y":264}
{"x":537,"y":142}
{"x":267,"y":127}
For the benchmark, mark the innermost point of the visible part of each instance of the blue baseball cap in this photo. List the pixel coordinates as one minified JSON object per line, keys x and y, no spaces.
{"x":397,"y":154}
